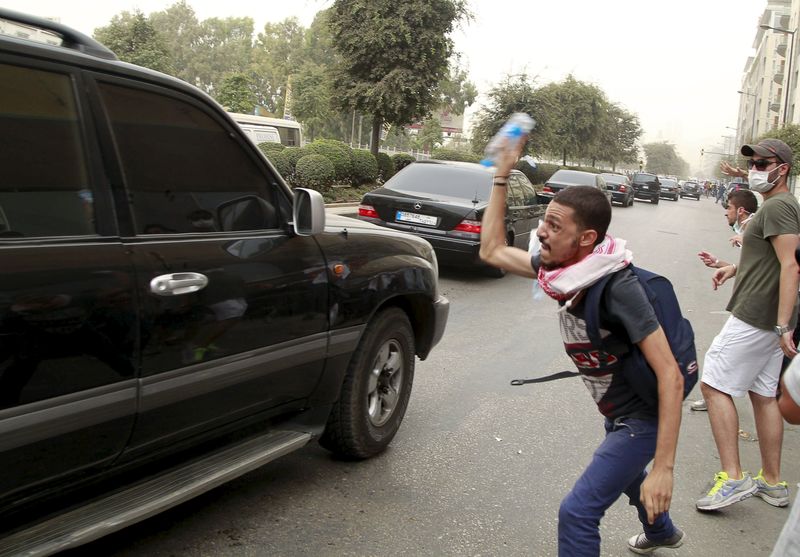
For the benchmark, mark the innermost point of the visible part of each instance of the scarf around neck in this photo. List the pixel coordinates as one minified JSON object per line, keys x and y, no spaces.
{"x":565,"y":283}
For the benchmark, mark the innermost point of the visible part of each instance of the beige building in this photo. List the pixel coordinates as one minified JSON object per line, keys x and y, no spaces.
{"x":762,"y":92}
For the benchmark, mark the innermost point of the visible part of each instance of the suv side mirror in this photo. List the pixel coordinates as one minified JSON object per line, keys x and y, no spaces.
{"x":308,"y":212}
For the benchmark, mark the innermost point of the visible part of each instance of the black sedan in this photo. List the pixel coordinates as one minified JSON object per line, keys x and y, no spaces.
{"x":564,"y":178}
{"x":444,"y":201}
{"x":620,"y":187}
{"x":691,"y":189}
{"x":669,"y":188}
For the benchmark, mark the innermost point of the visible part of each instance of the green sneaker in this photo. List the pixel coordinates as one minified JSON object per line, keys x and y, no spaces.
{"x":776,"y":495}
{"x":726,"y":492}
{"x":642,"y":545}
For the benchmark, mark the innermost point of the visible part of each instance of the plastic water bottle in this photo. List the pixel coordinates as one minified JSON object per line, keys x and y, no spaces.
{"x":518,"y":125}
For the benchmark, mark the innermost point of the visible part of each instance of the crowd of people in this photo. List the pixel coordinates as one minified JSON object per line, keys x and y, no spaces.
{"x":571,"y":252}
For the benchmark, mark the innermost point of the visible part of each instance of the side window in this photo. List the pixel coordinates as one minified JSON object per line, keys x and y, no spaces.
{"x":528,"y":192}
{"x":515,"y":192}
{"x":44,"y":184}
{"x":182,"y":169}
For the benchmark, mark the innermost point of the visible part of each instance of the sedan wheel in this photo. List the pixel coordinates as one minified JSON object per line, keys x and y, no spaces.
{"x":376,"y":389}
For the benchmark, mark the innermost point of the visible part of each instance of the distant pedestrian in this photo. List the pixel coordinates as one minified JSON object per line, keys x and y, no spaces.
{"x":745,"y":357}
{"x":572,"y":252}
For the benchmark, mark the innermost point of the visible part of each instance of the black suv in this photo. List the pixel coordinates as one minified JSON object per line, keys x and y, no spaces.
{"x":166,"y":299}
{"x":646,"y":186}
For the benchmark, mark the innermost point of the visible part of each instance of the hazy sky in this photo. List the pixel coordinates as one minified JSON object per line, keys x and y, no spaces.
{"x":676,"y":63}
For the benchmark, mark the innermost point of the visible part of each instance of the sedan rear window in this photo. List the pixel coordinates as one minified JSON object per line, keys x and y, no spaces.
{"x":443,"y":180}
{"x":573,"y":177}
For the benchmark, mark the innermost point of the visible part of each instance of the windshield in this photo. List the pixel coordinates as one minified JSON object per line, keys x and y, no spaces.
{"x":443,"y":180}
{"x":615,"y":178}
{"x":573,"y":177}
{"x":668,"y":182}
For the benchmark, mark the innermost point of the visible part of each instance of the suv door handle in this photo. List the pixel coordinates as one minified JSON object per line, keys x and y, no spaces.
{"x":178,"y":283}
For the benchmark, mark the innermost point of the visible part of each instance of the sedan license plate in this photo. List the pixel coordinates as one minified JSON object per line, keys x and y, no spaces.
{"x":427,"y":220}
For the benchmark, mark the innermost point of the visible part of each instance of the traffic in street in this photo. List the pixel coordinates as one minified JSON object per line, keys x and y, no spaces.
{"x":479,"y":466}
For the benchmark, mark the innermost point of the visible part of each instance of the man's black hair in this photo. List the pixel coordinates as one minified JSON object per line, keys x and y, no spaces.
{"x":591,"y":207}
{"x":744,"y":199}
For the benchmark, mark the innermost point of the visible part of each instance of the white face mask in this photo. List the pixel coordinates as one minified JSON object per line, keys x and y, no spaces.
{"x":759,"y":179}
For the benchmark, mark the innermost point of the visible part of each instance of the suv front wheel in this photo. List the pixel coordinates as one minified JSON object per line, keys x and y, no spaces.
{"x":376,"y":389}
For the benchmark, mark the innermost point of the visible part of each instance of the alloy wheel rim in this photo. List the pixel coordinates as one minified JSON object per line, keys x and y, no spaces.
{"x":385,"y":382}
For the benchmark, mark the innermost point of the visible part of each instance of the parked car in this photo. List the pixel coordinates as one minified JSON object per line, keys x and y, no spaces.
{"x":691,"y":189}
{"x":646,"y":186}
{"x":669,"y":189}
{"x":735,"y":184}
{"x":620,"y":187}
{"x":172,"y":314}
{"x":564,"y":178}
{"x":443,"y":202}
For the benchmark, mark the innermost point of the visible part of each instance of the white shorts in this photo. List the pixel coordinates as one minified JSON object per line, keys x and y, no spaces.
{"x":743,"y":358}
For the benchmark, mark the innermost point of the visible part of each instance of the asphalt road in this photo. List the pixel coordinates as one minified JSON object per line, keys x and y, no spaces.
{"x":479,"y":466}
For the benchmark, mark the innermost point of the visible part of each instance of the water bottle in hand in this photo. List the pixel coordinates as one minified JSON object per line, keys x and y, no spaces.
{"x":518,"y":125}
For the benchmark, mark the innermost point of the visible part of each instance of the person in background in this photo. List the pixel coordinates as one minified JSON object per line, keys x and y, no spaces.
{"x":745,"y":357}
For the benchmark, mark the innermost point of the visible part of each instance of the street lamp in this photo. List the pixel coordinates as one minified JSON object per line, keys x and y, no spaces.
{"x":755,"y":102}
{"x":791,"y":56}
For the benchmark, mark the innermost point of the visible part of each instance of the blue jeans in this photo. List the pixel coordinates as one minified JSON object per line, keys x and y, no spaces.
{"x":617,"y":467}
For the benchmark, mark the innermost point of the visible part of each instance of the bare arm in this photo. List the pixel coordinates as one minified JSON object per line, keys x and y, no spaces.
{"x":656,"y":490}
{"x":494,"y":249}
{"x":784,"y":246}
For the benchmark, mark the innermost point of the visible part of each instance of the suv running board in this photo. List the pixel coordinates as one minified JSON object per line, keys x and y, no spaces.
{"x":143,"y":500}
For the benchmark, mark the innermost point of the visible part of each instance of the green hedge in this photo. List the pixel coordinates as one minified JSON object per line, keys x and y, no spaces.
{"x":294,"y":154}
{"x":314,"y":171}
{"x":385,"y":167}
{"x":339,"y":153}
{"x":365,"y":168}
{"x":281,"y":163}
{"x":454,"y":155}
{"x":270,"y":148}
{"x":401,"y":160}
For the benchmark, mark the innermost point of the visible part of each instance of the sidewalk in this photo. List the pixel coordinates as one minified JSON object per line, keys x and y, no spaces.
{"x":344,"y":209}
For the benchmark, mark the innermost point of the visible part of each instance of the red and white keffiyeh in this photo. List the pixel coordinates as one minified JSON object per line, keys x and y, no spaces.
{"x":565,"y":282}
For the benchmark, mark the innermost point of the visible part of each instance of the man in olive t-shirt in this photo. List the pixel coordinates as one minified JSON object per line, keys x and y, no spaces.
{"x":745,"y":357}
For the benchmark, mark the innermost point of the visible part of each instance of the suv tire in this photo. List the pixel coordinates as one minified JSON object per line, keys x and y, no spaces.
{"x":376,"y":389}
{"x":654,"y":201}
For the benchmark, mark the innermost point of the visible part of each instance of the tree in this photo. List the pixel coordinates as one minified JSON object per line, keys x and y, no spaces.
{"x":578,"y":110}
{"x":224,"y":46}
{"x":312,"y":101}
{"x":277,"y":54}
{"x":619,"y":132}
{"x":663,"y":159}
{"x":430,"y":136}
{"x":516,"y":94}
{"x":789,"y":134}
{"x":456,"y":91}
{"x":133,"y":39}
{"x":391,"y":67}
{"x":236,"y":93}
{"x":180,"y":30}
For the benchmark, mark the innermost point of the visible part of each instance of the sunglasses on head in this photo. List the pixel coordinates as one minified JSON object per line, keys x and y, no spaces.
{"x":759,"y":164}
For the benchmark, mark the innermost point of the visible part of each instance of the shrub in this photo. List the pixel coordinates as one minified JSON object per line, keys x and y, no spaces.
{"x":402,"y":160}
{"x":385,"y":167}
{"x":454,"y":155}
{"x":294,"y":154}
{"x":314,"y":171}
{"x":339,"y":153}
{"x":270,"y":148}
{"x":281,"y":163}
{"x":365,"y":168}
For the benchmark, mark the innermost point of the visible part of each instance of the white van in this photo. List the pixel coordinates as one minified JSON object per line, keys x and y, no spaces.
{"x":261,"y":129}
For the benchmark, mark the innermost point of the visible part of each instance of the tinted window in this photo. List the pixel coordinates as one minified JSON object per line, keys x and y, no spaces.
{"x":615,"y":178}
{"x":668,"y":182}
{"x":44,"y":185}
{"x":443,"y":180}
{"x":181,"y":166}
{"x":645,"y":178}
{"x":573,"y":177}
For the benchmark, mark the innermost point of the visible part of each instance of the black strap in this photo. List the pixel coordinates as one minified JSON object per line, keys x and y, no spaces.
{"x":546,"y":378}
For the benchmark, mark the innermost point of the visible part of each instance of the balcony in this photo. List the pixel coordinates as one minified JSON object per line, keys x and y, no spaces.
{"x":778,"y":78}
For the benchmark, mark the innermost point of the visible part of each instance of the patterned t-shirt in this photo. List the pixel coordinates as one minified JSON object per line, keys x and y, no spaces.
{"x":625,"y":312}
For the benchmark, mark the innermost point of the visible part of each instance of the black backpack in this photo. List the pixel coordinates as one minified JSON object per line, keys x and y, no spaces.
{"x":634,"y":366}
{"x":676,"y":328}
